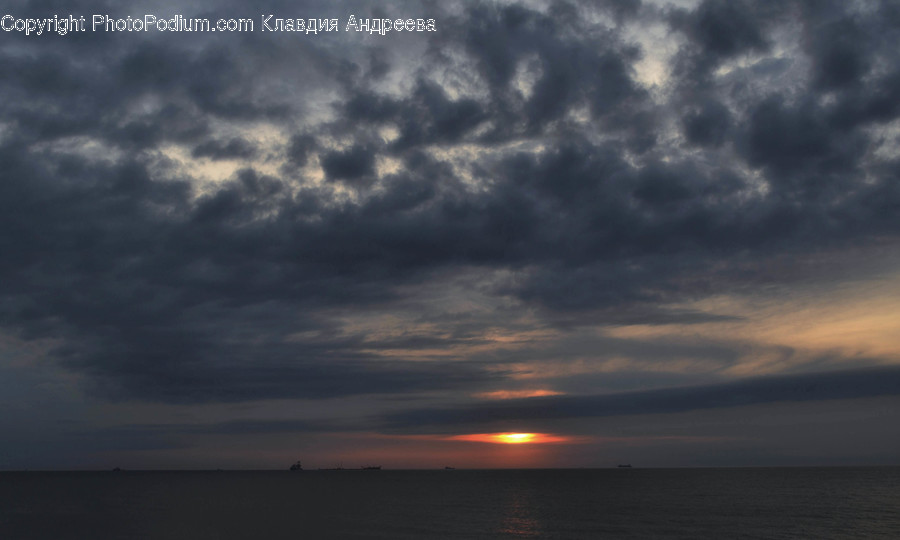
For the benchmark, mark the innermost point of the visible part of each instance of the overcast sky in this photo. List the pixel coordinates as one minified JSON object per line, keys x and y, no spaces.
{"x":663,"y":233}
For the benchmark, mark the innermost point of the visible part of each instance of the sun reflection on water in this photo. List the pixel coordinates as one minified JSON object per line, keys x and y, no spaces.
{"x":518,"y":515}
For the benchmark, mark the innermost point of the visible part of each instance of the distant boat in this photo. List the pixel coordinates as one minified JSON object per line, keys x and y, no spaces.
{"x":297,"y":467}
{"x":372,"y":468}
{"x":625,"y":466}
{"x":449,"y":468}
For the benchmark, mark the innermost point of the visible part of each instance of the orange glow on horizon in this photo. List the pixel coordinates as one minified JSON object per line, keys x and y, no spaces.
{"x":510,"y":438}
{"x":517,"y":394}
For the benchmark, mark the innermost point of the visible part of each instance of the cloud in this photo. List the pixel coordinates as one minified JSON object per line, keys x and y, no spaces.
{"x":350,"y":164}
{"x":236,"y":148}
{"x":516,"y":143}
{"x":724,"y":28}
{"x":852,"y":384}
{"x":708,"y":124}
{"x":299,"y":148}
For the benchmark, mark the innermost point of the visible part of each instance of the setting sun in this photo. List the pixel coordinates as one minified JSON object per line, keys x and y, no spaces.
{"x":510,"y":438}
{"x":515,"y":438}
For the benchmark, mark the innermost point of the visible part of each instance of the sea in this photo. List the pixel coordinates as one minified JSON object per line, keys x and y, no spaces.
{"x":770,"y":503}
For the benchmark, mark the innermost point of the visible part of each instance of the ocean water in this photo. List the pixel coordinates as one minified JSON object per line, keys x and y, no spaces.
{"x":777,"y":503}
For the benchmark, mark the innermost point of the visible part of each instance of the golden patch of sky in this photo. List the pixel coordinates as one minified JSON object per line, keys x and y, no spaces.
{"x":389,"y":133}
{"x":658,"y":45}
{"x":843,"y":324}
{"x":207,"y":175}
{"x":463,"y":157}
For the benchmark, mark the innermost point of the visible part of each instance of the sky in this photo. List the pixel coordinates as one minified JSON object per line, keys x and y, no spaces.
{"x":544,"y":234}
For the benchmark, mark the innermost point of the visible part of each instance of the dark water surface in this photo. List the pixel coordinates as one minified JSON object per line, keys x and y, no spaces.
{"x":616,"y":503}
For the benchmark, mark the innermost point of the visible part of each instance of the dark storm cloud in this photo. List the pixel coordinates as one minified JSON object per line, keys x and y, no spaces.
{"x":192,"y":372}
{"x":153,"y":432}
{"x":236,"y":148}
{"x":568,"y":67}
{"x":793,"y":388}
{"x":437,"y":118}
{"x":427,"y":116}
{"x":137,"y":311}
{"x":839,"y":57}
{"x":791,"y":140}
{"x":708,"y":124}
{"x":351,"y":164}
{"x":299,"y":149}
{"x":158,"y":288}
{"x":621,"y":9}
{"x":725,"y":28}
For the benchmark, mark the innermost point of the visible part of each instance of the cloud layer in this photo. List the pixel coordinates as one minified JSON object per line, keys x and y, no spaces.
{"x":231,"y":218}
